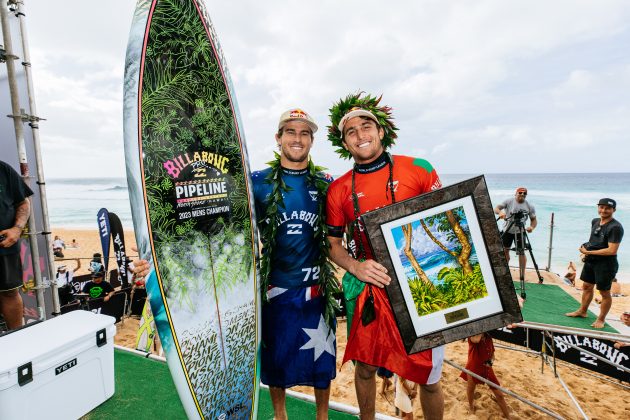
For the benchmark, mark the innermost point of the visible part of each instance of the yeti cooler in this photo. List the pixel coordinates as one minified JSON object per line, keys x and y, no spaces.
{"x":61,"y":368}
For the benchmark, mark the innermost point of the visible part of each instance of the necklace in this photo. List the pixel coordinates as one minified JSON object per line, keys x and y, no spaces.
{"x":268,"y":230}
{"x":357,"y":224}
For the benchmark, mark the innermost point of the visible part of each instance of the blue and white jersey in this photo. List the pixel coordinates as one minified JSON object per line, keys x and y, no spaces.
{"x":296,"y":250}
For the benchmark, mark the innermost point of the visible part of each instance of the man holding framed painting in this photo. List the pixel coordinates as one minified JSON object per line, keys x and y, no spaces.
{"x":363,"y":130}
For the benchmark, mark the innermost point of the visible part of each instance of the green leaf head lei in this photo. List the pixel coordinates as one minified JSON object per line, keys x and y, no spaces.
{"x":361,"y":100}
{"x":268,"y":230}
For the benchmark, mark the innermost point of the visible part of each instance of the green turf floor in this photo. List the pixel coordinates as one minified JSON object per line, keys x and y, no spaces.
{"x":145,"y":390}
{"x":548,"y":303}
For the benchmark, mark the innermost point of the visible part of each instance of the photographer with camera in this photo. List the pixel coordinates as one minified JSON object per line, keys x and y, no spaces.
{"x":515,"y":212}
{"x":600,"y":262}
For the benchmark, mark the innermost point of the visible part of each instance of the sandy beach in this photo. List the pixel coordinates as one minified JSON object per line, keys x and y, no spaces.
{"x":89,"y":243}
{"x":519,"y":372}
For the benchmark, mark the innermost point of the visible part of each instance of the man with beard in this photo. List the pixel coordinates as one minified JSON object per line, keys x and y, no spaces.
{"x":600,"y":261}
{"x":298,"y":324}
{"x":508,"y":210}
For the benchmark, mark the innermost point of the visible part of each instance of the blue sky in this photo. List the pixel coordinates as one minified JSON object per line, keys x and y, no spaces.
{"x":477,"y":87}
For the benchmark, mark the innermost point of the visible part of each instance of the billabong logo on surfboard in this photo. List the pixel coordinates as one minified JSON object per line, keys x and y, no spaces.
{"x":201,"y":184}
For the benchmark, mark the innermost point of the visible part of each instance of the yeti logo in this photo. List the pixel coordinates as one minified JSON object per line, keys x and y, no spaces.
{"x":294,"y":229}
{"x":313,"y":195}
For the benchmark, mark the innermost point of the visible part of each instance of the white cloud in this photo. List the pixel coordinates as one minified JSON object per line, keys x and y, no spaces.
{"x":474,"y":83}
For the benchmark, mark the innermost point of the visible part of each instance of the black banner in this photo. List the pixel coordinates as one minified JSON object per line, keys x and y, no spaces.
{"x":563,"y":351}
{"x":120,"y":252}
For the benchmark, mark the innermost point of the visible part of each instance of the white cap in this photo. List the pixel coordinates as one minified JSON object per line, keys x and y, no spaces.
{"x":355,"y":112}
{"x":297,"y":114}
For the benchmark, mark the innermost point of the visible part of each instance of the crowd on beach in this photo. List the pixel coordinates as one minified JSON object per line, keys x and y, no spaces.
{"x":299,"y":288}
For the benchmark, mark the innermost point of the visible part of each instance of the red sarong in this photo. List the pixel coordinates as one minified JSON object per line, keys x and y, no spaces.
{"x":380,"y":344}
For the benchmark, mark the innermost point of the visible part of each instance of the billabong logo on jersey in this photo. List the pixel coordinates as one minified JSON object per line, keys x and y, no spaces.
{"x":294,"y":229}
{"x":313,"y":195}
{"x":436,"y":185}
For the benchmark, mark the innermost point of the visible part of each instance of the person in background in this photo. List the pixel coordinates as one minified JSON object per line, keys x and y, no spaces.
{"x":406,"y":392}
{"x":98,"y":287}
{"x":569,"y":277}
{"x":58,"y":246}
{"x":14,"y":213}
{"x":386,"y":380}
{"x":625,"y":318}
{"x":507,"y":211}
{"x":96,"y":263}
{"x":480,"y":360}
{"x":600,"y":262}
{"x":64,"y":275}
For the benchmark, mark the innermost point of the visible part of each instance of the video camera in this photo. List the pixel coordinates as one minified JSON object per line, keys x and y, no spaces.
{"x":518,"y":217}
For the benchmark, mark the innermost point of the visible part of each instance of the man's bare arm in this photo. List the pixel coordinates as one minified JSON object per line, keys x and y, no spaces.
{"x":368,"y":271}
{"x":611,"y":250}
{"x":22,"y":212}
{"x":499,"y":210}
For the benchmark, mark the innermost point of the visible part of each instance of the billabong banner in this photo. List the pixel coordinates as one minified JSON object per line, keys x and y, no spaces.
{"x":561,"y":345}
{"x":104,"y":231}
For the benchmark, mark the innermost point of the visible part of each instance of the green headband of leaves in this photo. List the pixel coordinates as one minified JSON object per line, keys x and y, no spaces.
{"x":369,"y":103}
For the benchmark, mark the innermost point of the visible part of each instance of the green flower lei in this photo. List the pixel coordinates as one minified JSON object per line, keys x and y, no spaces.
{"x":370,"y":103}
{"x":327,"y":281}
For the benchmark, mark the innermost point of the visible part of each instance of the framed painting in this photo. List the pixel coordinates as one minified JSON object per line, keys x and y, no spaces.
{"x":450,"y":278}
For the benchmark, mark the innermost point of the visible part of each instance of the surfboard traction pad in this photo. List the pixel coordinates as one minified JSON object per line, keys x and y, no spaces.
{"x":198,"y":208}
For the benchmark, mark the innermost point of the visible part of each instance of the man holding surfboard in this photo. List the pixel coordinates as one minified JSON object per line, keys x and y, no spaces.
{"x":362,"y":130}
{"x":298,"y":333}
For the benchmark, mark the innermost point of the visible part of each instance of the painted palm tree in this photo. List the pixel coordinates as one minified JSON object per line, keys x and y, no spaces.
{"x":408,"y":232}
{"x":449,"y":222}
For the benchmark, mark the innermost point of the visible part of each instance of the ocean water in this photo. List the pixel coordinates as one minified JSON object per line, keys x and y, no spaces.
{"x":75,"y":202}
{"x":572,"y":198}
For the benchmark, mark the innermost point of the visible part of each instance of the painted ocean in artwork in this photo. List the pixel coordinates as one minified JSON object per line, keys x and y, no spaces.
{"x":438,"y":256}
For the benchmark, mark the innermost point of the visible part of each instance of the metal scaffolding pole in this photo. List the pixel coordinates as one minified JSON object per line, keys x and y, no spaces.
{"x":34,"y":124}
{"x":550,"y":242}
{"x":19,"y":135}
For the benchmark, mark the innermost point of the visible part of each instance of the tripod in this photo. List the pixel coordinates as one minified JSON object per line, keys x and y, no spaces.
{"x":521,"y":244}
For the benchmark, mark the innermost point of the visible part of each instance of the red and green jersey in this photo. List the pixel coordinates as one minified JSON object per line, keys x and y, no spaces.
{"x":411,"y":177}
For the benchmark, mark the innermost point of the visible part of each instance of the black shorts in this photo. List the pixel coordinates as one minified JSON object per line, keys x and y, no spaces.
{"x":509,"y":238}
{"x":10,"y":272}
{"x":600,"y":271}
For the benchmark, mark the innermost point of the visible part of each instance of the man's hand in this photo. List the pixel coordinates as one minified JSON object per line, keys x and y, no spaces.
{"x":11,"y":236}
{"x":501,"y":212}
{"x":141,"y":268}
{"x":369,"y":271}
{"x":529,"y":229}
{"x":583,"y":250}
